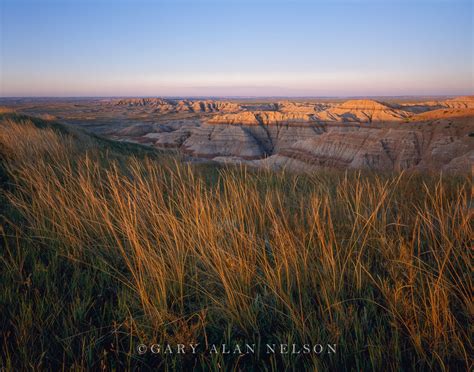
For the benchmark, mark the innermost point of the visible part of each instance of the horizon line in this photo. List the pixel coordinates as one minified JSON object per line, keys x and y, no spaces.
{"x":239,"y":96}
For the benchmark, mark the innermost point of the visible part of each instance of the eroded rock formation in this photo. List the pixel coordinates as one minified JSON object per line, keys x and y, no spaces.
{"x":161,"y":105}
{"x":398,"y":135}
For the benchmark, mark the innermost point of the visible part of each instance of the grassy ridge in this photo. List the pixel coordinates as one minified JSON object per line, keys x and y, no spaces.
{"x":108,"y":246}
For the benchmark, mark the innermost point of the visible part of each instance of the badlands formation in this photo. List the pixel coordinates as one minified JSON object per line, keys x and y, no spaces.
{"x":307,"y":136}
{"x":300,"y":136}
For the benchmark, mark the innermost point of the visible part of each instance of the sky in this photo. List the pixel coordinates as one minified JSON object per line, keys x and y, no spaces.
{"x":66,"y":48}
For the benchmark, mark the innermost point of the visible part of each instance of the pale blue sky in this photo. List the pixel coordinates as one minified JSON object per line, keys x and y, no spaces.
{"x":235,"y":48}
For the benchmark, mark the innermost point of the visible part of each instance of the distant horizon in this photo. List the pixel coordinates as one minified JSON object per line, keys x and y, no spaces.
{"x":237,"y":48}
{"x":293,"y":96}
{"x":240,"y":97}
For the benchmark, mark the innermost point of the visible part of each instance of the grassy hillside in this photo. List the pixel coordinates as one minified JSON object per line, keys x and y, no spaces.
{"x":106,"y":246}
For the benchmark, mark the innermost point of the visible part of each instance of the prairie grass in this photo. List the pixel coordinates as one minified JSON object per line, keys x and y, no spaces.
{"x":106,"y":249}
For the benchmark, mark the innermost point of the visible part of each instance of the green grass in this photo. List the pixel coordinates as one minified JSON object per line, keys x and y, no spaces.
{"x":108,"y":245}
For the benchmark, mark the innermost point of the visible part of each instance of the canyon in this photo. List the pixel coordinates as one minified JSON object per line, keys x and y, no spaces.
{"x":297,"y":135}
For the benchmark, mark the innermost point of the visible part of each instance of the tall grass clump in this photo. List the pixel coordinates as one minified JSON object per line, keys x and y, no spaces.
{"x":376,"y":265}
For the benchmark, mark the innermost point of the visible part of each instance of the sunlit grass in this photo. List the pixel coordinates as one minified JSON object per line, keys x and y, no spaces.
{"x":377,"y":264}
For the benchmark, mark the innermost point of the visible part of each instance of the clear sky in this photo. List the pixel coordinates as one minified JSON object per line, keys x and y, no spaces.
{"x":236,"y":47}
